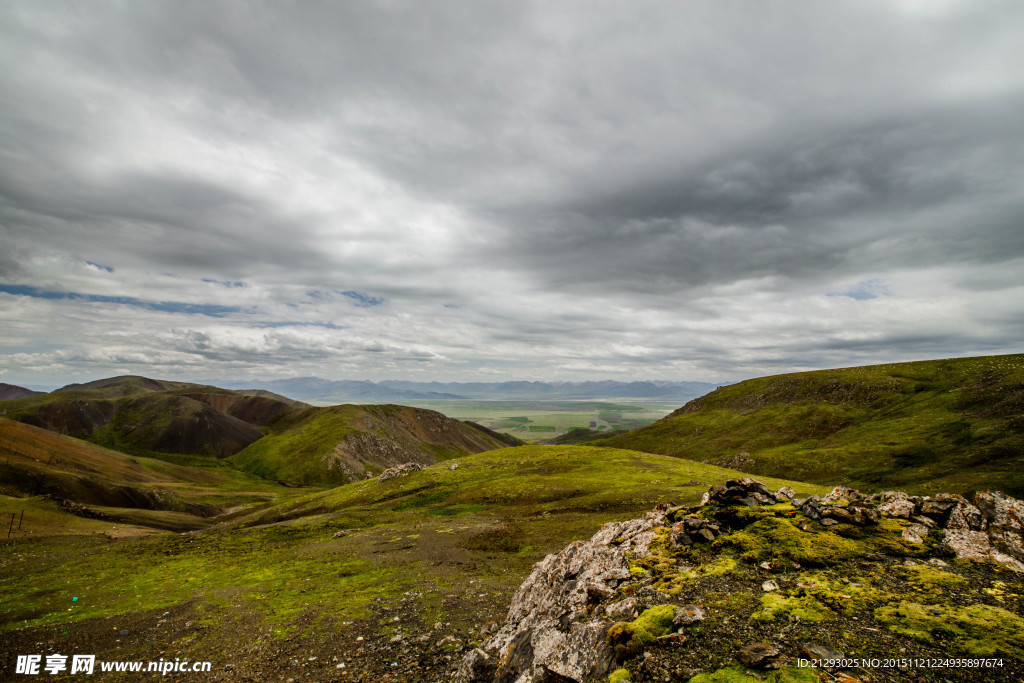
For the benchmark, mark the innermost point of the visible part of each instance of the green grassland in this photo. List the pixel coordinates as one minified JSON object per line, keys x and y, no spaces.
{"x":950,"y":425}
{"x":309,"y":447}
{"x":279,"y":571}
{"x":294,"y":449}
{"x":542,"y":421}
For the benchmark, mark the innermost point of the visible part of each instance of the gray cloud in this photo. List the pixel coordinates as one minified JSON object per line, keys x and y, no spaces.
{"x":507,"y":189}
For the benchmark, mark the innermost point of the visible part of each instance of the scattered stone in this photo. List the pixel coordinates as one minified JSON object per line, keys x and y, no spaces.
{"x":745,"y":491}
{"x":889,"y":496}
{"x":689,"y":530}
{"x":760,"y":656}
{"x":688,"y":614}
{"x":838,"y":493}
{"x":692,"y":482}
{"x":785,"y":493}
{"x":454,"y":466}
{"x":821,"y":653}
{"x":402,"y":470}
{"x":769,"y":586}
{"x":339,"y":534}
{"x":851,"y":514}
{"x":915,"y":533}
{"x":898,"y":508}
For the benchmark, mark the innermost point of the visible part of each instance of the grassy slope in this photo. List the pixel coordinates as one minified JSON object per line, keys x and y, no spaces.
{"x":293,"y":450}
{"x":947,"y":425}
{"x":35,"y":463}
{"x":297,"y":447}
{"x":433,"y":531}
{"x":141,"y":417}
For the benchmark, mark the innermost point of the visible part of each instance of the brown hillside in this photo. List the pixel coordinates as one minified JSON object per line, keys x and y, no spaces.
{"x":10,"y":391}
{"x":36,"y":462}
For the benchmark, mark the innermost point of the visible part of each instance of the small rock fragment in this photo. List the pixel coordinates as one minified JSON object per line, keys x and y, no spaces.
{"x":688,"y":614}
{"x":897,"y":508}
{"x":760,"y":656}
{"x":915,"y":533}
{"x":821,"y":653}
{"x":785,"y":493}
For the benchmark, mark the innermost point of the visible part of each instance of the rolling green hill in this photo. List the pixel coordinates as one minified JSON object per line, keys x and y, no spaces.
{"x":410,"y":541}
{"x":174,"y":421}
{"x":339,"y":444}
{"x":944,"y":425}
{"x":269,"y":435}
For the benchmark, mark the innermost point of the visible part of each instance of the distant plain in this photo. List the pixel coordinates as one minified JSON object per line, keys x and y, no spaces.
{"x":546,"y":419}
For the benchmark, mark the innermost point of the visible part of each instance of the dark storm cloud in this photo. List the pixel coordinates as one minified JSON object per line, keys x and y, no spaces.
{"x":567,"y":186}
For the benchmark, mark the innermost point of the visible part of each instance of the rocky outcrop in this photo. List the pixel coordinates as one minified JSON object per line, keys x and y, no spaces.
{"x":403,"y":470}
{"x":744,"y":491}
{"x":554,"y":630}
{"x":582,"y":608}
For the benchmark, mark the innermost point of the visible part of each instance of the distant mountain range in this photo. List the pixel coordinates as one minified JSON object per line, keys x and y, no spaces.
{"x":389,"y":391}
{"x":255,"y":430}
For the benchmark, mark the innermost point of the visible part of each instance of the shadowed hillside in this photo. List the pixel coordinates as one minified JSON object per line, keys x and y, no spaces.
{"x":150,"y":417}
{"x":10,"y":391}
{"x":945,"y":425}
{"x":46,"y":472}
{"x":270,"y":435}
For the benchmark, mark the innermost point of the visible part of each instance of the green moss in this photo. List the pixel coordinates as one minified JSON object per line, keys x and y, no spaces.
{"x":928,"y":579}
{"x":980,"y":630}
{"x":620,"y":676}
{"x":772,"y":537}
{"x":741,"y":674}
{"x":630,"y":638}
{"x":839,"y":594}
{"x":723,"y":565}
{"x":776,"y":606}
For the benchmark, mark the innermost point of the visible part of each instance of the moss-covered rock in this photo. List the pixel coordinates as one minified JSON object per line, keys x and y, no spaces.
{"x":741,"y":674}
{"x":628,"y":639}
{"x":980,"y":630}
{"x":782,"y":607}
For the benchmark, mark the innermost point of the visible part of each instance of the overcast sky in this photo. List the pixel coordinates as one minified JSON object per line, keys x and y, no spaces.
{"x":507,"y":190}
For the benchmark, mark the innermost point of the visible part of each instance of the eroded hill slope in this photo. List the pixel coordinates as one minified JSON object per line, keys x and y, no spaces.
{"x":339,"y":444}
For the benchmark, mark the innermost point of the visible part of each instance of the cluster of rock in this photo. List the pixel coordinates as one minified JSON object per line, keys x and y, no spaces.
{"x":558,"y":622}
{"x":989,"y":528}
{"x":403,"y":470}
{"x":745,"y":491}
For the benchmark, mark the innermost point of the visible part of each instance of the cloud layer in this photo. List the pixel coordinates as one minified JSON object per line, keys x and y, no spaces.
{"x":460,"y":191}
